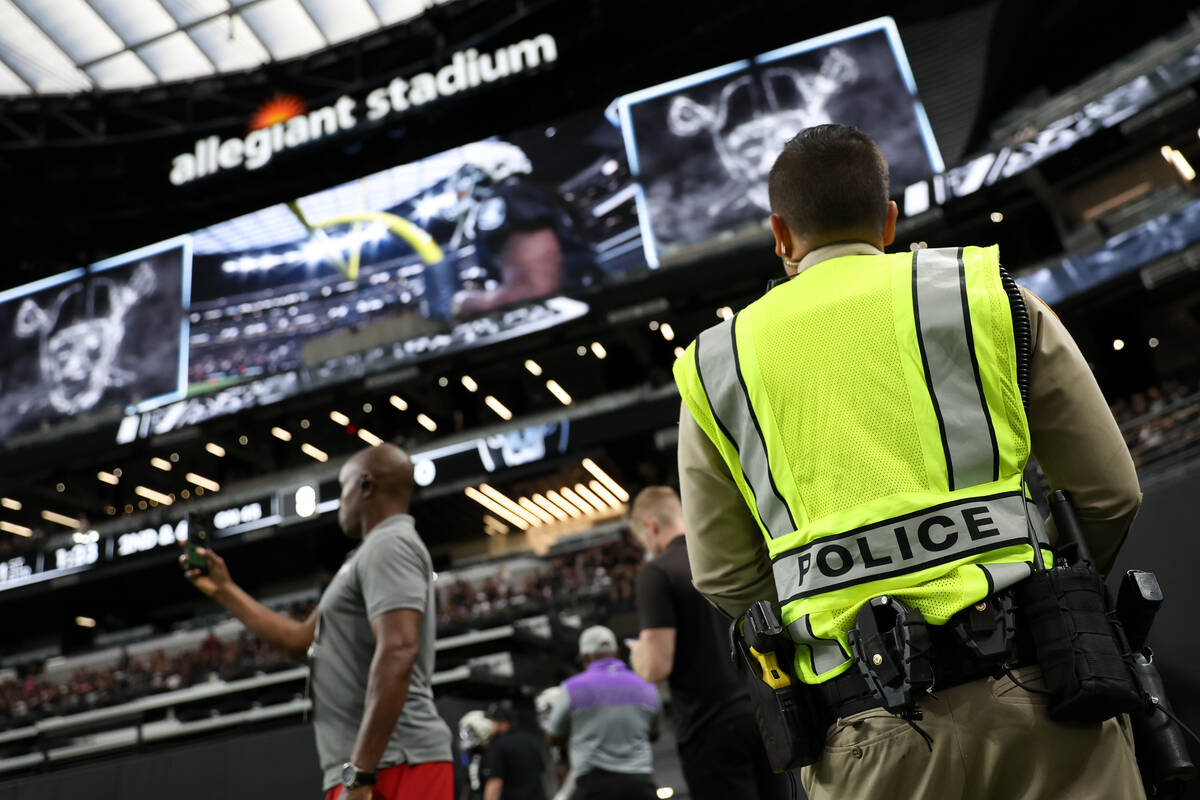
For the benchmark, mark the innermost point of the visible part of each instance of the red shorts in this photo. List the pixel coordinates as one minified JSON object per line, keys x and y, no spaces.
{"x":433,"y":780}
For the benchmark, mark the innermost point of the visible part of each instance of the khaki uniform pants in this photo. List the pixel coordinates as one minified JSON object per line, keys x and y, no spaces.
{"x":992,"y":740}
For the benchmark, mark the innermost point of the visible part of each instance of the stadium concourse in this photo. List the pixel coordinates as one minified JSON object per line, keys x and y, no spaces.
{"x":247,"y":240}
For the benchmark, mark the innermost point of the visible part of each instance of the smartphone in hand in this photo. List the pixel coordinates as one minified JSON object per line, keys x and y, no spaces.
{"x":197,"y":538}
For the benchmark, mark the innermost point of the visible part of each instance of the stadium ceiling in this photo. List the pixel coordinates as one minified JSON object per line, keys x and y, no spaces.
{"x":54,"y":47}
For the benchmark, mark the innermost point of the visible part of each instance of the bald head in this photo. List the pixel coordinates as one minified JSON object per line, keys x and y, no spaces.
{"x":656,"y":517}
{"x":377,"y":483}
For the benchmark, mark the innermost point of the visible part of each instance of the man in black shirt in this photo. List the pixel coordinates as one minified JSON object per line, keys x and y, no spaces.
{"x":684,"y":642}
{"x":513,"y":764}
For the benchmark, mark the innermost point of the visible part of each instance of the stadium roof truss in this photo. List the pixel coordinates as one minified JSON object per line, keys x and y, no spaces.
{"x":67,"y":47}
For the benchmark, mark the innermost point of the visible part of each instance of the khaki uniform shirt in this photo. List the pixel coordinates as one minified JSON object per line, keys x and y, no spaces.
{"x":1074,"y":436}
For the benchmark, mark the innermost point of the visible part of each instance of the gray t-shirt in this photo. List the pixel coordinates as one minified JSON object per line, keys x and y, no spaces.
{"x":389,"y":571}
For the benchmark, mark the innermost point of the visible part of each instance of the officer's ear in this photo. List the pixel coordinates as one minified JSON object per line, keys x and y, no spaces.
{"x":783,"y":237}
{"x":889,"y":223}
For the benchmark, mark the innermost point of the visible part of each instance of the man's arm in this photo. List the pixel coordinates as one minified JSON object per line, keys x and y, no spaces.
{"x":493,"y":788}
{"x":282,"y":632}
{"x":653,"y":654}
{"x":1075,"y":438}
{"x":397,"y":644}
{"x":729,"y":558}
{"x":558,"y":726}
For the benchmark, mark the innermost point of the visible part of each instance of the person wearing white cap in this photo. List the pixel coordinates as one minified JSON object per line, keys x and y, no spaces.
{"x":610,"y":716}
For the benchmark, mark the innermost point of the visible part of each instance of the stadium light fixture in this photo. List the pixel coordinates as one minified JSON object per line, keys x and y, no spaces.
{"x":493,"y":526}
{"x":398,"y":402}
{"x":280,"y":433}
{"x":575,"y":499}
{"x":108,"y":477}
{"x":590,"y":496}
{"x":15,"y":529}
{"x":528,"y":505}
{"x":61,"y":519}
{"x":607,"y":496}
{"x":533,"y":367}
{"x":85,"y":622}
{"x":496,"y":508}
{"x":200,"y":480}
{"x":679,"y":351}
{"x":314,"y":452}
{"x":603,"y":477}
{"x":10,"y":503}
{"x":507,"y":502}
{"x":996,"y":216}
{"x":558,"y":513}
{"x":1118,"y":344}
{"x":215,"y":449}
{"x":598,"y":350}
{"x":581,"y":351}
{"x":562,"y":503}
{"x":725,"y":312}
{"x":160,"y":463}
{"x":667,"y":331}
{"x":500,"y":409}
{"x":339,"y":418}
{"x":427,"y":422}
{"x":369,"y":437}
{"x":1153,"y":342}
{"x":469,"y":383}
{"x":664,"y":793}
{"x":559,"y":392}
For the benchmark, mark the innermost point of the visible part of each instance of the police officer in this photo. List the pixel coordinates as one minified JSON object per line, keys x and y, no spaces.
{"x":865,"y":419}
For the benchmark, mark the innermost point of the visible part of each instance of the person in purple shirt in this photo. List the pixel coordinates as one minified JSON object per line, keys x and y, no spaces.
{"x":609,"y":716}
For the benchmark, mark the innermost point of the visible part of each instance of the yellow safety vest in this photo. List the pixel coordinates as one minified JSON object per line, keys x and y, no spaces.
{"x":869,"y":412}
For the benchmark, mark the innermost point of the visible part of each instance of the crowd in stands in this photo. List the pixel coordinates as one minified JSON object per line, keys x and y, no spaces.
{"x":1161,"y":422}
{"x":31,"y":696}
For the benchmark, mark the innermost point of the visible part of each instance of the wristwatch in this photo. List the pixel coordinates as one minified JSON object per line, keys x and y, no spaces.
{"x":353,"y":777}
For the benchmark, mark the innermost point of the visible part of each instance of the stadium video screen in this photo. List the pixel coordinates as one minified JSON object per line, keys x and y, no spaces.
{"x":701,"y":146}
{"x":85,"y":340}
{"x":416,"y":251}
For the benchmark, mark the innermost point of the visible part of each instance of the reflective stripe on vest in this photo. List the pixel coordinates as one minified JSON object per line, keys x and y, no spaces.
{"x":951,"y":370}
{"x":916,"y":541}
{"x":721,"y":377}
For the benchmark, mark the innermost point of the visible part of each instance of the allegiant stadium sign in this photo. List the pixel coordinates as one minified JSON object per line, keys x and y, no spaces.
{"x":466,"y":70}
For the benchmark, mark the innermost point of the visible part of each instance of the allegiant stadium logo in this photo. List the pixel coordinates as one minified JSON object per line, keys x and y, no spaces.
{"x":284,"y":122}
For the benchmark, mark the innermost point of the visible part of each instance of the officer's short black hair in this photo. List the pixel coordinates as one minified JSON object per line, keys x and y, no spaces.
{"x":830,"y":179}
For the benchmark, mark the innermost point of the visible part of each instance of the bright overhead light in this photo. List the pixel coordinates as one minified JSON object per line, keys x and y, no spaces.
{"x":1153,"y":341}
{"x":533,"y":367}
{"x":496,"y":508}
{"x":725,"y":312}
{"x":558,"y":392}
{"x":339,"y":418}
{"x":60,"y":487}
{"x":581,"y":351}
{"x":427,"y":422}
{"x":507,"y":502}
{"x":590,"y":496}
{"x":665,"y":792}
{"x":215,"y":449}
{"x":61,"y":519}
{"x":667,"y":331}
{"x":469,"y":383}
{"x":398,"y":402}
{"x":1118,"y":344}
{"x":598,"y":350}
{"x":369,"y":437}
{"x":200,"y":480}
{"x":500,"y":409}
{"x":602,"y":476}
{"x":10,"y":504}
{"x":108,"y":477}
{"x":558,"y":513}
{"x":996,"y":216}
{"x":575,"y":499}
{"x":605,"y":494}
{"x":306,"y":501}
{"x":160,"y":463}
{"x":525,"y":503}
{"x":679,"y":351}
{"x":561,"y":502}
{"x":14,"y":528}
{"x":280,"y":433}
{"x":1179,"y":161}
{"x":314,"y":452}
{"x":653,"y":324}
{"x":85,"y":622}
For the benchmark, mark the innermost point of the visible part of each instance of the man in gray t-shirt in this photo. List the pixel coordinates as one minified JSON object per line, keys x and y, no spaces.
{"x":371,"y":640}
